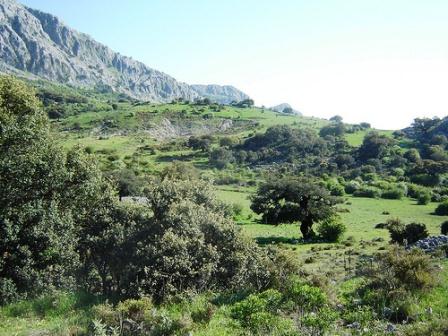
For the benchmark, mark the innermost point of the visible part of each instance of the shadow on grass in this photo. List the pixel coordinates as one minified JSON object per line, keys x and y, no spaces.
{"x":177,"y":157}
{"x":230,"y":297}
{"x":275,"y":240}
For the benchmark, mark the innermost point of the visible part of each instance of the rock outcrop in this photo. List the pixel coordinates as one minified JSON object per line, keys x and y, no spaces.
{"x":430,"y":244}
{"x":281,"y":108}
{"x":38,"y":45}
{"x":220,"y":94}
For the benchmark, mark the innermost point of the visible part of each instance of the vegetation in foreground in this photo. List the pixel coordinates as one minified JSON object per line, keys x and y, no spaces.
{"x":77,"y":260}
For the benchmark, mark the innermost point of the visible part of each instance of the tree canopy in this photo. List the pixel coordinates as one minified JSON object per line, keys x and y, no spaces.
{"x":289,"y":200}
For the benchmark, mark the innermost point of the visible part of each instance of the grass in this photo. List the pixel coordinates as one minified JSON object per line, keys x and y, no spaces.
{"x":355,"y":139}
{"x":57,"y":314}
{"x":363,"y":215}
{"x":360,"y":240}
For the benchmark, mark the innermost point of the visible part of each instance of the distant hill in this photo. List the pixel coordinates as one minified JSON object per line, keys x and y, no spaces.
{"x":282,"y":107}
{"x":34,"y":44}
{"x":220,"y":94}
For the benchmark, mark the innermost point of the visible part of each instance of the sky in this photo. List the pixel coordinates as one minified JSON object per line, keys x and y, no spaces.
{"x":380,"y":61}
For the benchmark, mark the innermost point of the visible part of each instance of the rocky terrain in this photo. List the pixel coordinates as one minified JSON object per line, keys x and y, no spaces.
{"x":282,"y":107}
{"x":431,"y":244}
{"x":221,"y":94}
{"x":34,"y":44}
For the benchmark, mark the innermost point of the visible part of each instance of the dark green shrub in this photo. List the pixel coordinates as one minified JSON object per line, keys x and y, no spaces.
{"x":8,"y":291}
{"x":396,"y":230}
{"x":428,"y":180}
{"x":424,"y":198}
{"x":331,"y":229}
{"x":409,"y":233}
{"x":414,"y":190}
{"x":369,"y":192}
{"x":442,"y":209}
{"x":351,"y":187}
{"x":444,"y":228}
{"x":221,"y":158}
{"x":336,"y":190}
{"x":415,"y":231}
{"x":393,"y":194}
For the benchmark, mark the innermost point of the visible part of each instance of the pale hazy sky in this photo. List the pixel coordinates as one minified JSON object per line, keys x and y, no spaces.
{"x":381,"y":61}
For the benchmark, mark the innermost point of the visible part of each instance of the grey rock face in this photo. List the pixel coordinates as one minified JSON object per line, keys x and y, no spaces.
{"x":36,"y":44}
{"x":220,"y":94}
{"x":280,"y":108}
{"x":430,"y":244}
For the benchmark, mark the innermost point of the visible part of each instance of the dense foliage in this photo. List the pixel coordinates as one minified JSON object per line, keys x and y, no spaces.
{"x":45,"y":198}
{"x":62,"y":225}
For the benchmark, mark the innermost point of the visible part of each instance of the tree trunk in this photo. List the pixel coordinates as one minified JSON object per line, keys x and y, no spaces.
{"x":305,"y":228}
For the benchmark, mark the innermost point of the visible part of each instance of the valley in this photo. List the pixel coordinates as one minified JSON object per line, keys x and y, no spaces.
{"x":135,"y":204}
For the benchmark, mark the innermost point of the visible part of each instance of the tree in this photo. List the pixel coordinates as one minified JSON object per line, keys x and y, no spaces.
{"x":226,"y":142}
{"x":179,"y":170}
{"x":181,"y":239}
{"x":335,"y":129}
{"x":221,"y":158}
{"x":127,"y":183}
{"x":365,"y":125}
{"x":244,"y":103}
{"x":336,"y":119}
{"x":45,"y":196}
{"x":288,"y":200}
{"x":375,"y":146}
{"x":199,"y":143}
{"x":288,"y":110}
{"x":283,"y":143}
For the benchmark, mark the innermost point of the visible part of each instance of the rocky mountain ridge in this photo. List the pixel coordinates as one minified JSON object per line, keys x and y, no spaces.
{"x":35,"y":44}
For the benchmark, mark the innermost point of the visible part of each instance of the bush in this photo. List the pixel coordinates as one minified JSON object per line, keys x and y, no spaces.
{"x":135,"y":309}
{"x":305,"y":296}
{"x":331,"y":229}
{"x":8,"y":291}
{"x":396,"y":229}
{"x":410,"y":233}
{"x":442,"y":209}
{"x":393,"y":194}
{"x":351,"y":187}
{"x":424,"y":198}
{"x":444,"y":228}
{"x":415,"y":231}
{"x":237,"y":209}
{"x":336,"y":190}
{"x":259,"y":314}
{"x":267,"y":301}
{"x":395,"y":277}
{"x":369,"y":192}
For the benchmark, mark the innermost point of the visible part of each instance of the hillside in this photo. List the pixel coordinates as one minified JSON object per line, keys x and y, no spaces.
{"x":202,"y":166}
{"x":34,"y":44}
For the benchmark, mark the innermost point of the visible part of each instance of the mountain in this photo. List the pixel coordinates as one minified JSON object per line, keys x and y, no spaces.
{"x":220,"y":94}
{"x":34,"y":44}
{"x":282,"y":107}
